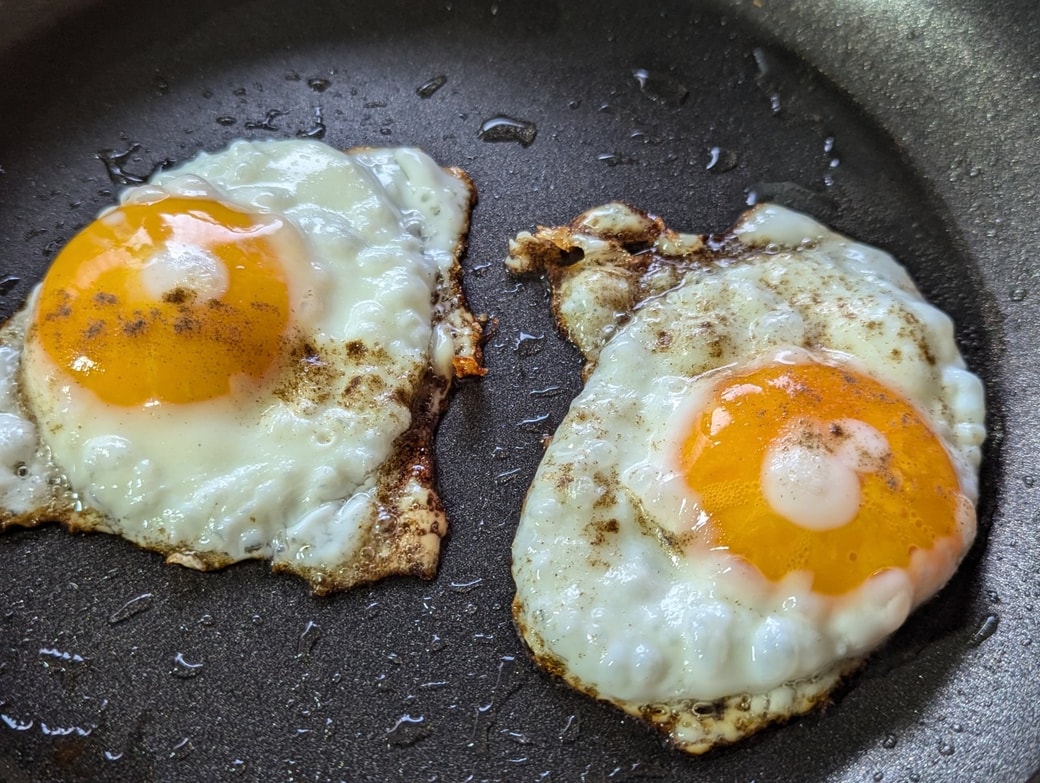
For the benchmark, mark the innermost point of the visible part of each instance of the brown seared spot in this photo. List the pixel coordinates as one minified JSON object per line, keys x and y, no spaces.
{"x":400,"y":394}
{"x":926,"y":351}
{"x":403,"y":533}
{"x":62,"y":310}
{"x":186,"y":323}
{"x":135,"y":327}
{"x":355,"y":349}
{"x":180,"y":296}
{"x":564,"y":476}
{"x":103,"y":298}
{"x":309,"y":375}
{"x":608,"y":498}
{"x":600,"y":531}
{"x":467,"y":366}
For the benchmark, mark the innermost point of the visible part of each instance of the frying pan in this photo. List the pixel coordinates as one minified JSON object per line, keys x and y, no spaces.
{"x":909,"y":125}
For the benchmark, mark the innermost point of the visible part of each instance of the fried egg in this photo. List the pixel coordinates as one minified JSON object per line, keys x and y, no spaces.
{"x":246,"y":358}
{"x":772,"y":463}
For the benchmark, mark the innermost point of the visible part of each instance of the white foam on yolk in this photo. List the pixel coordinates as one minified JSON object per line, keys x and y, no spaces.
{"x":811,"y":473}
{"x":180,"y":265}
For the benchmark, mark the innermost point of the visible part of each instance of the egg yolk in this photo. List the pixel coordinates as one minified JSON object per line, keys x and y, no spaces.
{"x":811,"y":467}
{"x":174,"y":301}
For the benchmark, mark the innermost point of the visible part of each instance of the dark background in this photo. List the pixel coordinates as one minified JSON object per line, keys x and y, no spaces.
{"x":912,"y":126}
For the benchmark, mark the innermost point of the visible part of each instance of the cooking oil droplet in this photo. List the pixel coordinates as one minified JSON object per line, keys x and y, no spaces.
{"x":428,"y":88}
{"x":408,"y":730}
{"x":206,"y":620}
{"x":436,"y":644}
{"x":766,"y":78}
{"x":16,"y":725}
{"x":115,"y":164}
{"x":533,"y":424}
{"x":507,"y":683}
{"x":465,"y":587}
{"x":878,"y":777}
{"x":134,"y":606}
{"x":1029,"y":481}
{"x":226,"y":120}
{"x":317,"y":129}
{"x":529,"y":344}
{"x":614,"y":159}
{"x":113,"y":755}
{"x":267,"y":123}
{"x":548,"y":391}
{"x":319,"y":85}
{"x":721,"y":160}
{"x":237,"y":766}
{"x":503,"y":128}
{"x":63,"y":656}
{"x":661,"y":88}
{"x":507,"y":476}
{"x":889,"y":741}
{"x":986,"y":629}
{"x":644,"y":137}
{"x":182,"y":749}
{"x":571,"y":729}
{"x":946,"y":749}
{"x":311,"y":634}
{"x":1018,"y":294}
{"x":184,"y":668}
{"x":8,"y":283}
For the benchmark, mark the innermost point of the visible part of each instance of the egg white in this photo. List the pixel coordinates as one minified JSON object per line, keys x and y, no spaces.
{"x":697,"y":642}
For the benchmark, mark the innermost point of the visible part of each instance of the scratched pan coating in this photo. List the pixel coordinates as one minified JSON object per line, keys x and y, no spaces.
{"x":911,"y":127}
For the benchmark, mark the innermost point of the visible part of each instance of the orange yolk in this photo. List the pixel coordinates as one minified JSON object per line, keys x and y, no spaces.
{"x":130,"y":344}
{"x":908,"y":504}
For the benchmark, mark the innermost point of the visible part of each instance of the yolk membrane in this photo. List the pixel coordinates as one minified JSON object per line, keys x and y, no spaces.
{"x":129,"y":344}
{"x":909,"y":504}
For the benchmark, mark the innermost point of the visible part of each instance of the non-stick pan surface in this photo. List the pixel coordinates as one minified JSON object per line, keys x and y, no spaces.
{"x":909,"y":125}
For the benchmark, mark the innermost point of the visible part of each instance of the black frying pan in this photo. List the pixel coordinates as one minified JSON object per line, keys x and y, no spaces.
{"x":114,"y":666}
